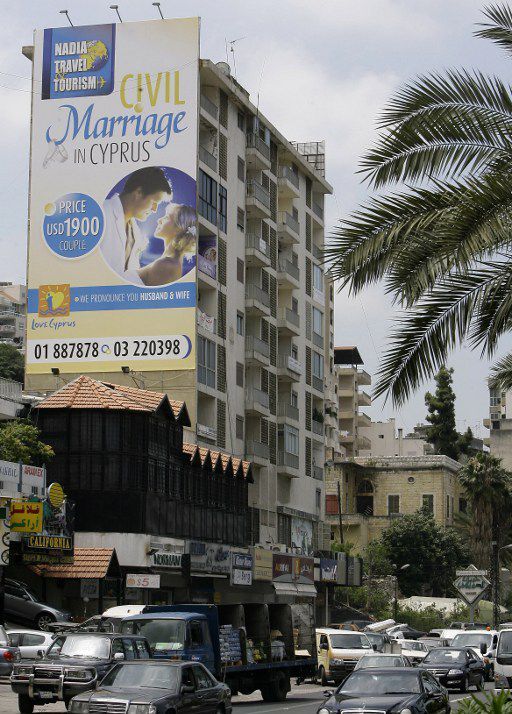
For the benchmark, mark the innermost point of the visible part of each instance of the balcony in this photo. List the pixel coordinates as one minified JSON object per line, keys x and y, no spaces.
{"x":288,"y":183}
{"x":331,"y":421}
{"x":256,"y":402}
{"x":363,"y":378}
{"x":318,"y":473}
{"x":318,"y":252}
{"x":288,"y":321}
{"x":288,"y":274}
{"x":210,"y":109}
{"x":257,"y":452}
{"x":257,"y":251}
{"x":257,"y":301}
{"x":257,"y":352}
{"x":207,"y":158}
{"x":288,"y":228}
{"x":363,"y":420}
{"x":257,"y":156}
{"x":318,"y":340}
{"x":318,"y":213}
{"x":286,"y":411}
{"x":318,"y":384}
{"x":344,"y":414}
{"x":257,"y":200}
{"x":363,"y":443}
{"x":205,"y":322}
{"x":317,"y":427}
{"x":7,"y":329}
{"x":206,"y":432}
{"x":288,"y":465}
{"x":364,"y":399}
{"x":288,"y":368}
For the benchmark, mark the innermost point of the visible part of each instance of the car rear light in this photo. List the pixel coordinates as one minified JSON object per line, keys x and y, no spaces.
{"x":8,"y":656}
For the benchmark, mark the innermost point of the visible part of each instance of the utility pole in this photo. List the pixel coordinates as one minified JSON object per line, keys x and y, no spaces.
{"x":495,"y":580}
{"x":339,"y":512}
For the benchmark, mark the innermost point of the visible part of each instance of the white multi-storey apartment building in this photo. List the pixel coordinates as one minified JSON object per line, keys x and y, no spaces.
{"x":13,"y":318}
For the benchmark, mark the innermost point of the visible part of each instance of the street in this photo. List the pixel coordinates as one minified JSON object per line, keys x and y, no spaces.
{"x":304,"y":699}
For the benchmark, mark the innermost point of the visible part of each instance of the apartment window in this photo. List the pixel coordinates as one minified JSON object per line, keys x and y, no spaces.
{"x":427,"y":502}
{"x":495,"y":401}
{"x":318,"y":499}
{"x":241,"y":169}
{"x":318,"y":322}
{"x":239,"y":374}
{"x":240,"y":270}
{"x":295,"y":352}
{"x":240,"y":327}
{"x":318,"y":278}
{"x":284,"y":528}
{"x":463,"y":505}
{"x":318,"y":365}
{"x":241,"y":121}
{"x":240,"y":219}
{"x":206,"y":361}
{"x":291,"y":440}
{"x":294,"y":399}
{"x":295,"y":305}
{"x":207,"y":197}
{"x":393,"y":505}
{"x":239,"y":427}
{"x":223,"y":209}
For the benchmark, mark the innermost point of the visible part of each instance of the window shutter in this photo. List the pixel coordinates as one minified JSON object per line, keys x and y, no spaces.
{"x":223,"y":109}
{"x":272,"y":393}
{"x":240,"y":270}
{"x":264,"y":331}
{"x":308,"y":320}
{"x":221,"y":368}
{"x":239,"y":426}
{"x":273,"y":295}
{"x":221,"y":315}
{"x":264,"y":380}
{"x":308,"y":232}
{"x":223,"y":156}
{"x":308,"y":456}
{"x":331,"y":505}
{"x":221,"y":424}
{"x":222,"y":261}
{"x":240,"y":219}
{"x":265,"y":282}
{"x":241,"y":169}
{"x":264,"y":431}
{"x":272,"y":333}
{"x":308,"y":410}
{"x":308,"y":365}
{"x":308,"y":277}
{"x":272,"y":239}
{"x":273,"y":200}
{"x":272,"y":442}
{"x":273,"y":157}
{"x":309,"y":191}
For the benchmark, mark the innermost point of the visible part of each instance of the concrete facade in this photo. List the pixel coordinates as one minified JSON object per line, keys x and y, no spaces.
{"x":387,"y":440}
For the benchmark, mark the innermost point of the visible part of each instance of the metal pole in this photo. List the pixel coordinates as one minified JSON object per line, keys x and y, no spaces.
{"x":495,"y":584}
{"x":339,"y":512}
{"x":395,"y":604}
{"x":2,"y":595}
{"x":472,"y":612}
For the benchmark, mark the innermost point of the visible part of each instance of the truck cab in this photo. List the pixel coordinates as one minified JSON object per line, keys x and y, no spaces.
{"x":338,"y":652}
{"x":503,"y":661}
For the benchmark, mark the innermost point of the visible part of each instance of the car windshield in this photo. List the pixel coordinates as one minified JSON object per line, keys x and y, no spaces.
{"x":444,"y":656}
{"x":376,"y":639}
{"x":418,"y":646}
{"x":349,"y":642}
{"x":366,"y":684}
{"x":163,"y":635}
{"x":376,"y":661}
{"x":472,"y":639}
{"x":162,"y":676}
{"x":80,"y":646}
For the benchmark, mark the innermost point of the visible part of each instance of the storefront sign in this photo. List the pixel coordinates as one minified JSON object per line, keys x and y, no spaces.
{"x":164,"y":559}
{"x":241,"y":569}
{"x":289,"y":568}
{"x":48,"y":549}
{"x":303,"y":569}
{"x":282,"y":567}
{"x":89,"y":587}
{"x":210,"y":558}
{"x":22,"y":479}
{"x":328,"y":570}
{"x":26,"y":517}
{"x":135,"y":580}
{"x":262,"y":564}
{"x":341,"y":577}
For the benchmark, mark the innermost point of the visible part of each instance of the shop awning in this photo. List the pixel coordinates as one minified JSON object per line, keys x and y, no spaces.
{"x":285,"y":589}
{"x":93,"y":563}
{"x":306,"y":590}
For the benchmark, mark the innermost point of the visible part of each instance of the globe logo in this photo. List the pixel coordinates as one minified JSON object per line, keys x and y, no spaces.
{"x":96,"y":56}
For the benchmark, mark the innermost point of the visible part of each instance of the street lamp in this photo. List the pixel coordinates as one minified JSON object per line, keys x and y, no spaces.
{"x":397,"y":570}
{"x":496,"y":580}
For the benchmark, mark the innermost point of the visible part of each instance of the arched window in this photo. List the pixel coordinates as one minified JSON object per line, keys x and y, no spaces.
{"x":364,"y":498}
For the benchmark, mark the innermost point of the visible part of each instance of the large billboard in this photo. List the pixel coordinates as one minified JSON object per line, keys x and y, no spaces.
{"x":113,"y":224}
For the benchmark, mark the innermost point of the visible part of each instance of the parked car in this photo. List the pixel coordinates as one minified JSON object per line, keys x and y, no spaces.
{"x":404,"y":632}
{"x":379,"y":660}
{"x":8,"y":654}
{"x":456,"y":667}
{"x":22,"y":605}
{"x":109,"y":621}
{"x":379,"y":640}
{"x":338,"y":652}
{"x":73,"y":664}
{"x":30,"y":642}
{"x":484,"y":643}
{"x":414,"y":649}
{"x":434,"y":641}
{"x":156,"y":686}
{"x":388,"y":691}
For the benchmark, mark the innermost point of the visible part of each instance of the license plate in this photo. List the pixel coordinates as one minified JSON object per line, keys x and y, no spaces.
{"x":46,"y":695}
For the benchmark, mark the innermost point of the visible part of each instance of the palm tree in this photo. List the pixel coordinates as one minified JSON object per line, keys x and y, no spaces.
{"x":442,"y":239}
{"x":488,"y":488}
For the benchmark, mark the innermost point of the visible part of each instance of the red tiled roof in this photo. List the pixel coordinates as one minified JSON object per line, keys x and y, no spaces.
{"x":219,"y":457}
{"x":89,"y":563}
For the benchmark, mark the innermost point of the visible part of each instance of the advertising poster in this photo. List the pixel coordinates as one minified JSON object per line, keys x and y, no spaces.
{"x":302,"y":535}
{"x":113,"y":223}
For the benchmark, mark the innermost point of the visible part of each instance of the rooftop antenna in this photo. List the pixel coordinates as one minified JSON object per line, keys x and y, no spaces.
{"x":232,"y":50}
{"x":116,"y":10}
{"x":66,"y":13}
{"x":157,"y":5}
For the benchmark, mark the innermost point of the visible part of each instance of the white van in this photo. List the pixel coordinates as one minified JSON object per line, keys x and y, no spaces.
{"x":484,"y":643}
{"x":338,"y":653}
{"x":503,"y":661}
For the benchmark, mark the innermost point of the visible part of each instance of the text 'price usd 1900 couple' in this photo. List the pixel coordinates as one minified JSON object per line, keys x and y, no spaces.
{"x":113,"y":222}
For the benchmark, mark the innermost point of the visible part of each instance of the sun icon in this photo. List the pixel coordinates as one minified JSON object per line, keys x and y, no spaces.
{"x":49,"y":209}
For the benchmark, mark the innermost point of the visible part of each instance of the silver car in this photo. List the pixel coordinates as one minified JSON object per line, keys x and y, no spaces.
{"x":379,"y":660}
{"x":30,"y":642}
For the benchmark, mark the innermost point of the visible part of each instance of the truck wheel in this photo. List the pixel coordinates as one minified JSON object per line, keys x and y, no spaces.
{"x":277,"y":690}
{"x":25,"y":704}
{"x":323,"y":677}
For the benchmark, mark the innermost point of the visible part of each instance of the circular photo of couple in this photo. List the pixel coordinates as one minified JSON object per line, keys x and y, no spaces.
{"x":149,"y":235}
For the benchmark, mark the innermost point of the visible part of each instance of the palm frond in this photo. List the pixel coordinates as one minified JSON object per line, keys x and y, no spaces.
{"x":499,"y":29}
{"x":501,"y":374}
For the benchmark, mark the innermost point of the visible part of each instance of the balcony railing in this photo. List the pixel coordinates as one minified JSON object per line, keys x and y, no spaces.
{"x":317,"y":252}
{"x":8,"y":328}
{"x":287,"y":173}
{"x":255,"y":142}
{"x":207,"y":158}
{"x":257,"y":395}
{"x":209,"y":106}
{"x":286,"y":219}
{"x":318,"y":473}
{"x":255,"y":344}
{"x":256,"y":448}
{"x":318,"y":340}
{"x":254,"y":292}
{"x":206,"y":432}
{"x":10,"y":389}
{"x":259,"y":192}
{"x":318,"y":211}
{"x":318,"y":384}
{"x":255,"y":242}
{"x":289,"y":315}
{"x":286,"y":266}
{"x":317,"y":427}
{"x":287,"y":410}
{"x":289,"y":362}
{"x":287,"y":459}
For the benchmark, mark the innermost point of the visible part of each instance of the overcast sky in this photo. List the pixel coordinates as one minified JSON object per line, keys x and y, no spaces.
{"x":323,"y":69}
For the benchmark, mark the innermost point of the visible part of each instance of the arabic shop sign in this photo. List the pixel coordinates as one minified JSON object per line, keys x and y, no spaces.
{"x":26,"y":517}
{"x":22,"y":479}
{"x":210,"y":557}
{"x":241,"y":568}
{"x":293,"y":568}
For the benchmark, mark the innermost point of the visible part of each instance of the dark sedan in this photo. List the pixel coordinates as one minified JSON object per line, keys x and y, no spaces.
{"x":156,"y":687}
{"x":388,"y":691}
{"x":458,"y":667}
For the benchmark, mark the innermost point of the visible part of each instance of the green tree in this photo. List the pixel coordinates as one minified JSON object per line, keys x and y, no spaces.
{"x":441,"y":240}
{"x":432,"y":552}
{"x":442,"y":433}
{"x":19,"y":441}
{"x":12,"y":365}
{"x":488,"y":487}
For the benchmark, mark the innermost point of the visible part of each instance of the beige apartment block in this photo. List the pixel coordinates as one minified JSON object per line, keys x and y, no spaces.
{"x":352,"y":422}
{"x":376,"y":491}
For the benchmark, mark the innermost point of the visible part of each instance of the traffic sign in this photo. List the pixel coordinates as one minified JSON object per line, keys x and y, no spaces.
{"x":471,"y":584}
